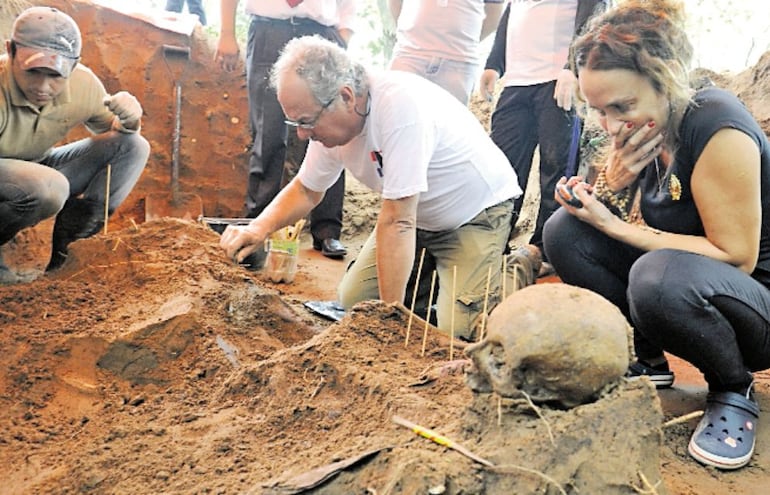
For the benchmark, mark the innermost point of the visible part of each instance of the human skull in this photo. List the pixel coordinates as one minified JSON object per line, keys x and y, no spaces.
{"x":555,"y":342}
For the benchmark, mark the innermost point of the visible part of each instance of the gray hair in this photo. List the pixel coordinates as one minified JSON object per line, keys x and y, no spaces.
{"x":325,"y":66}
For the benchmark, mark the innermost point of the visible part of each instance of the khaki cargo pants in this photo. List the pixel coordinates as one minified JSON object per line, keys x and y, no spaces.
{"x":468,"y":258}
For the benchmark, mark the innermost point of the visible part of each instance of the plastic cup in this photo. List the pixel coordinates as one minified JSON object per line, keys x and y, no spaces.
{"x":281,"y":263}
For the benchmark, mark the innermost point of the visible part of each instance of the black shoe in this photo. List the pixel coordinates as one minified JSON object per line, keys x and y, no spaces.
{"x":79,"y":218}
{"x":331,"y":248}
{"x":660,"y":376}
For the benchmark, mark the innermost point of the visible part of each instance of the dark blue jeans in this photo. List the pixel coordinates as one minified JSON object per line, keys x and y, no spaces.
{"x":707,"y":312}
{"x":31,"y":192}
{"x":193,"y":6}
{"x":269,"y":132}
{"x":525,"y":117}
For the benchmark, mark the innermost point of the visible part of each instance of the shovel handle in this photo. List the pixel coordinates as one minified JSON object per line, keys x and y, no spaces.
{"x":177,"y":139}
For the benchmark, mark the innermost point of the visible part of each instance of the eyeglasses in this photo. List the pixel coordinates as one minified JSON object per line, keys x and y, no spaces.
{"x":312,"y":122}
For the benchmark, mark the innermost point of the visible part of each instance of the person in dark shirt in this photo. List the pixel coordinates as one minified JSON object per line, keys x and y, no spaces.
{"x":692,"y":275}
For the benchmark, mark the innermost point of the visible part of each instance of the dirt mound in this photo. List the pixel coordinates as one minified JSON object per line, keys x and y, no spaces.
{"x":150,"y":363}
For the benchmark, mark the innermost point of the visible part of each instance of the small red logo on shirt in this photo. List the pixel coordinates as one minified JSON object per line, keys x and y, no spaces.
{"x":376,"y":157}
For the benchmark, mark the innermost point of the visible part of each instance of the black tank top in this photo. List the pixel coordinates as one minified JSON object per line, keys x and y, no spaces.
{"x":667,"y":203}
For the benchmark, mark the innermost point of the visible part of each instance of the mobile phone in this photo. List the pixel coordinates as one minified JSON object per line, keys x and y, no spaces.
{"x":568,"y":196}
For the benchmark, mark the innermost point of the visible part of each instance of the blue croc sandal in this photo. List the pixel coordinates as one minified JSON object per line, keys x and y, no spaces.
{"x":726,"y":434}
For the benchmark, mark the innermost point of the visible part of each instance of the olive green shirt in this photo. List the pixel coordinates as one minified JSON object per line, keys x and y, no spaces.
{"x":29,"y":133}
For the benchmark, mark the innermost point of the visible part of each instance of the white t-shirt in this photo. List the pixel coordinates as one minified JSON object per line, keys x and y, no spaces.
{"x":418,"y":139}
{"x":538,"y":39}
{"x":441,"y":28}
{"x":338,"y":13}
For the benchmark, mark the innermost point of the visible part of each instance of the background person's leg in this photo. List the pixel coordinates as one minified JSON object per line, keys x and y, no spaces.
{"x":174,"y":5}
{"x":269,"y":133}
{"x":326,"y":217}
{"x":196,"y":7}
{"x":268,"y":150}
{"x":514,"y":130}
{"x":456,"y":77}
{"x":554,"y":128}
{"x":326,"y":221}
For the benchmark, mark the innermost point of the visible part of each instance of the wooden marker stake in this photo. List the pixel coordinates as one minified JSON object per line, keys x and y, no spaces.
{"x":107,"y":198}
{"x":452,"y":324}
{"x":427,"y":317}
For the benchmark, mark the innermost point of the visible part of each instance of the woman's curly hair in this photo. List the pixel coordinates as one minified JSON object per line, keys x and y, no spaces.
{"x":646,"y":37}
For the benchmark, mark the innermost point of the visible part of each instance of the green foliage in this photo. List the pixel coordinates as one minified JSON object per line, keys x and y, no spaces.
{"x":376,"y":16}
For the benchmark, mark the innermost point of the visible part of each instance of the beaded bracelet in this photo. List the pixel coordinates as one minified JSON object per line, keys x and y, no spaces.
{"x":615,"y":201}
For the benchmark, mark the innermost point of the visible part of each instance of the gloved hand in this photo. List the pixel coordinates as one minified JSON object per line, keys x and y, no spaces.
{"x":126,"y":107}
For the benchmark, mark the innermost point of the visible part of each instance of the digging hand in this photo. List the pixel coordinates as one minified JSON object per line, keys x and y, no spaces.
{"x":126,"y":108}
{"x":239,"y":241}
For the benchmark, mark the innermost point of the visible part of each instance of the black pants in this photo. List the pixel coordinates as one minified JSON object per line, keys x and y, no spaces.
{"x":269,"y":132}
{"x":707,"y":312}
{"x":525,"y":117}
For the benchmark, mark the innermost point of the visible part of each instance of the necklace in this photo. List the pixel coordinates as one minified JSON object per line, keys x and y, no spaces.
{"x":668,"y":179}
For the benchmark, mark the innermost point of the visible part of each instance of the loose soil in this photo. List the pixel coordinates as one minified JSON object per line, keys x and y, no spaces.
{"x":151,"y":364}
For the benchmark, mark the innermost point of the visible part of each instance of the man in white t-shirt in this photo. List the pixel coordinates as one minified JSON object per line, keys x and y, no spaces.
{"x":439,"y":40}
{"x":446,"y":188}
{"x":531,"y":51}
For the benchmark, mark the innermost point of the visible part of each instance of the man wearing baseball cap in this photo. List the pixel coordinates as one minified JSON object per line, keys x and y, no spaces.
{"x":44,"y":93}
